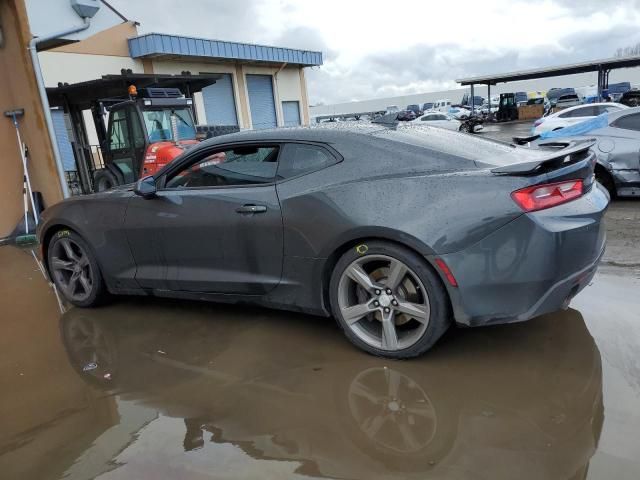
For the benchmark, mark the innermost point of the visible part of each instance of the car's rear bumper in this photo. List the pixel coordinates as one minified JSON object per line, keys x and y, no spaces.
{"x":531,"y":266}
{"x":627,"y":182}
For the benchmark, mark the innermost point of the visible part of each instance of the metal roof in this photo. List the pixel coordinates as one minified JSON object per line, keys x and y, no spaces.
{"x":571,"y":69}
{"x":157,"y":44}
{"x":83,"y":94}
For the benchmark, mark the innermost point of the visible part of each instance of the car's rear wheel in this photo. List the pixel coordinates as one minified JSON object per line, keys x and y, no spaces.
{"x":74,"y":270}
{"x":388,"y":300}
{"x":603,"y":177}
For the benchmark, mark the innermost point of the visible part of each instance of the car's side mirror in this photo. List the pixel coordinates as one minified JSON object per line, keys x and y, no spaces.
{"x":146,"y":187}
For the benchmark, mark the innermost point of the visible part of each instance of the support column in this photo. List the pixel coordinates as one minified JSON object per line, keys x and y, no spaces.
{"x":473,"y":107}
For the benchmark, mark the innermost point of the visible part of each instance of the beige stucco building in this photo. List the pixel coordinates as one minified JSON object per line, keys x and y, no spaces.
{"x":257,"y":86}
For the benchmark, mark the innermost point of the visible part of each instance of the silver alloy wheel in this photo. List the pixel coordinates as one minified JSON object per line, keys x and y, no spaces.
{"x":71,"y":269}
{"x":392,"y":410}
{"x":89,"y":347}
{"x":383,"y":302}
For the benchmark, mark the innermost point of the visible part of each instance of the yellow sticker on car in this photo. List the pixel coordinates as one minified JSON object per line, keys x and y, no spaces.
{"x":362,"y":249}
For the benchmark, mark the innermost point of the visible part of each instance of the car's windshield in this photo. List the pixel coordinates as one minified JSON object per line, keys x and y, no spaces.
{"x":158,"y":123}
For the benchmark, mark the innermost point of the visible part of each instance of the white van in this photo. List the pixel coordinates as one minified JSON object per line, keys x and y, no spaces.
{"x":442,"y":105}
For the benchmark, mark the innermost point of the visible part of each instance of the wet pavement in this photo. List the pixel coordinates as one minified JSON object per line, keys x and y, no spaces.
{"x":150,"y":388}
{"x":506,"y":131}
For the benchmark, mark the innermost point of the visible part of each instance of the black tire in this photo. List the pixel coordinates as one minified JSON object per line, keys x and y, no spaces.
{"x":603,"y":177}
{"x":464,"y":128}
{"x":96,"y":293}
{"x":439,"y":314}
{"x":104,"y":180}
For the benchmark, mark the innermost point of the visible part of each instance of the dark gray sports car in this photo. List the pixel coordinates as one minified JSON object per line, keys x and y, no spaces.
{"x":398,"y":231}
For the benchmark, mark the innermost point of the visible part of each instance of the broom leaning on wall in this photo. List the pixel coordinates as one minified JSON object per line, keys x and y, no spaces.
{"x":28,"y":237}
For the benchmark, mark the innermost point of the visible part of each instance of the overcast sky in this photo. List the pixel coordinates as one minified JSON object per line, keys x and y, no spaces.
{"x":376,"y":49}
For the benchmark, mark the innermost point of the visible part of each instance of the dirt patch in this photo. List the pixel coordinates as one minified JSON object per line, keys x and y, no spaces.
{"x":623,"y":233}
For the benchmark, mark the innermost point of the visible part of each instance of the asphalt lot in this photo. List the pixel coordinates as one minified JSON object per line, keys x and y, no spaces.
{"x":150,"y":388}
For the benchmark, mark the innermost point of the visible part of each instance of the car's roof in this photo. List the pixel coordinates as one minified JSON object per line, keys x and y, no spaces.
{"x":623,"y":113}
{"x":325,"y":132}
{"x":575,"y":107}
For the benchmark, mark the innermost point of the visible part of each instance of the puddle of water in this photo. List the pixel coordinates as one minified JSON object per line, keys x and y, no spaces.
{"x":149,"y":388}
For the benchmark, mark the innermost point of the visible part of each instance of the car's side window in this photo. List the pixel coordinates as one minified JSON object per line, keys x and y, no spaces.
{"x":610,"y":109}
{"x":298,"y":158}
{"x":240,"y":165}
{"x":579,"y":112}
{"x":118,"y":131}
{"x":628,"y":122}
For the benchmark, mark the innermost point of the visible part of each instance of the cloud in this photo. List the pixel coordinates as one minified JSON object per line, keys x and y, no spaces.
{"x":234,"y":20}
{"x":374,"y":54}
{"x":424,"y":68}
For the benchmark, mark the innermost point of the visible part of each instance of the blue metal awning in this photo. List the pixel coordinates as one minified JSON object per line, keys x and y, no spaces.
{"x":157,"y":44}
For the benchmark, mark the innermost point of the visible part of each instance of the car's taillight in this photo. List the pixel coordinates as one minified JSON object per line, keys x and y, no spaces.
{"x":549,"y":195}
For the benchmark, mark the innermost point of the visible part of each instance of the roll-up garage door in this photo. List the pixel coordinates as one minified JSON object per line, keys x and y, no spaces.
{"x":62,"y":139}
{"x":219,"y":102}
{"x":261,"y":103}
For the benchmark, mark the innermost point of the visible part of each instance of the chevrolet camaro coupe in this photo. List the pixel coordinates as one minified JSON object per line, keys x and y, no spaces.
{"x":398,"y":231}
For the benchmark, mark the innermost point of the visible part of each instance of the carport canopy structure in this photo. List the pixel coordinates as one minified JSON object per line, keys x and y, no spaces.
{"x":83,"y":95}
{"x":603,"y":67}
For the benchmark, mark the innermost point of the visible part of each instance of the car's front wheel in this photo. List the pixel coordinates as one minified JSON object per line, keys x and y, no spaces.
{"x":74,"y":270}
{"x":388,"y":300}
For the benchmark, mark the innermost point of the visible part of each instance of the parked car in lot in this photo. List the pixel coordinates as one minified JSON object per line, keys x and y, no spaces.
{"x":398,"y":232}
{"x":521,"y":98}
{"x":617,"y":143}
{"x":568,"y":100}
{"x":442,"y":105}
{"x":472,"y":123}
{"x":406,"y":115}
{"x":392,"y":109}
{"x":631,"y":98}
{"x":415,"y":108}
{"x":437,"y":119}
{"x":555,"y":93}
{"x":573,"y":115}
{"x":427,"y":106}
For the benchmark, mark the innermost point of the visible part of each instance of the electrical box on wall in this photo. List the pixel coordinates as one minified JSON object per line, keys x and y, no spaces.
{"x":85,"y":8}
{"x":49,"y":16}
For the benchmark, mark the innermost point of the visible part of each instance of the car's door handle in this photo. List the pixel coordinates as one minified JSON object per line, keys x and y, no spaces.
{"x":251,"y":209}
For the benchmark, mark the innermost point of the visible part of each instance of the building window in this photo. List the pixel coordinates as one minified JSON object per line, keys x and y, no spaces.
{"x":291,"y":112}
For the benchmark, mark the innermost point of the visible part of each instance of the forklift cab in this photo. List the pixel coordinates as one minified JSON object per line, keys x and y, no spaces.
{"x":507,"y":108}
{"x":138,"y":128}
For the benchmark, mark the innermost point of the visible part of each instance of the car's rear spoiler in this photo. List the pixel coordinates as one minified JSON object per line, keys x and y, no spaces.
{"x":567,"y":152}
{"x":525,"y":140}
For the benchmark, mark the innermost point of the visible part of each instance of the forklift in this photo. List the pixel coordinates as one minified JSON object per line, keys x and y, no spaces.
{"x":507,"y":108}
{"x":144,"y":133}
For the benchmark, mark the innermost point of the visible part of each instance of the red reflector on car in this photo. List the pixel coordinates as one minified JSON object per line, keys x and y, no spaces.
{"x":444,"y":268}
{"x":549,"y":195}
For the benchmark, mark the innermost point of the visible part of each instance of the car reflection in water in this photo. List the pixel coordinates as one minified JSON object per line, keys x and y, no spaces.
{"x":514,"y":401}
